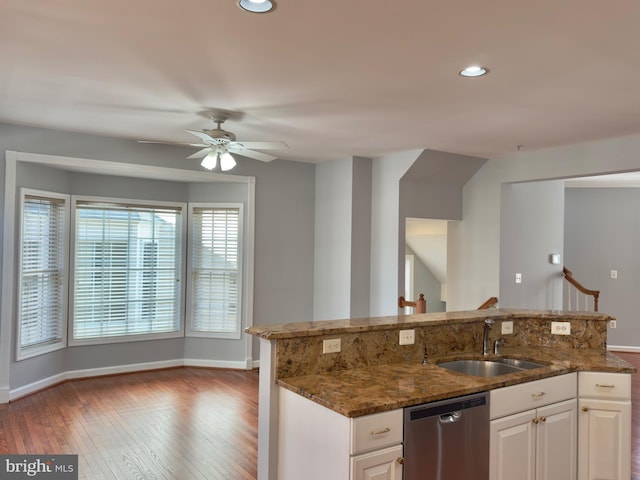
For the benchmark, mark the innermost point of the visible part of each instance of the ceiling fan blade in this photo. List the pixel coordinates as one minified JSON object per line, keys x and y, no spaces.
{"x":205,"y":137}
{"x":200,"y":153}
{"x":245,"y":152}
{"x":180,"y":144}
{"x":263,"y":145}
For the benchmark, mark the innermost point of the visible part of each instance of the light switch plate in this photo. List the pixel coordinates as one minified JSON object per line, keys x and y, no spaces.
{"x":561,"y":328}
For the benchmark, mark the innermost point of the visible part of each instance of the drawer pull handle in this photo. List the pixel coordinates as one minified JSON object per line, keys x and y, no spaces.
{"x":538,"y":395}
{"x":373,"y":433}
{"x":400,"y":460}
{"x":585,"y":409}
{"x":604,"y":385}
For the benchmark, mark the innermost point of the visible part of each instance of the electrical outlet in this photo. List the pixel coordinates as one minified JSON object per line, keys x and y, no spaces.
{"x":612,"y":324}
{"x":614,"y":273}
{"x":506,"y":328}
{"x":407,"y":337}
{"x":332,"y":345}
{"x":518,"y":278}
{"x":561,"y":328}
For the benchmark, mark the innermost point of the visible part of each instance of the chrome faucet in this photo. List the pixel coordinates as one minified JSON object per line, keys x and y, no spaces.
{"x":488,"y":323}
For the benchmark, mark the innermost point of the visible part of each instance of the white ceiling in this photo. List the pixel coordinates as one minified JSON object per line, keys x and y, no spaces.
{"x":331,"y":78}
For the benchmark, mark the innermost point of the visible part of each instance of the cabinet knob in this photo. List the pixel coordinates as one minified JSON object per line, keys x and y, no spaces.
{"x":400,"y":460}
{"x":585,"y":409}
{"x":535,"y":420}
{"x":543,"y":419}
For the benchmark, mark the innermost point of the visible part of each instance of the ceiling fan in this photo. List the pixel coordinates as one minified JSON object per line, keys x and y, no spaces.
{"x":218,"y":145}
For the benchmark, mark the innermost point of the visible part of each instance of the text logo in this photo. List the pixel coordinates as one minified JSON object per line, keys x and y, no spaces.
{"x":50,"y":467}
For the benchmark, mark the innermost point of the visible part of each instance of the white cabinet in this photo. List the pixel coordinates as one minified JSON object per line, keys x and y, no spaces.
{"x":538,"y":443}
{"x":316,"y":443}
{"x":385,"y":464}
{"x":604,"y":426}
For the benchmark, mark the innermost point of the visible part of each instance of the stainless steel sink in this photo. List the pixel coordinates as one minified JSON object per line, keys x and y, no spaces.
{"x":523,"y":364}
{"x":489,"y":368}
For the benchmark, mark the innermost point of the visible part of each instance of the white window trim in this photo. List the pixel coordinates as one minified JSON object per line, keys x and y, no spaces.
{"x":28,"y":352}
{"x":125,"y":338}
{"x":189,"y":332}
{"x":105,"y":167}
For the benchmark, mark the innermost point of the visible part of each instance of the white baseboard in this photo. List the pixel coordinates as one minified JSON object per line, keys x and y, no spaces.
{"x":198,"y":362}
{"x":7,"y":395}
{"x":623,"y":348}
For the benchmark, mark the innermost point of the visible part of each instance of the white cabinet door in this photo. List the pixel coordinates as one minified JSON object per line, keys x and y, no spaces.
{"x":538,"y":444}
{"x":605,"y":439}
{"x":383,"y":464}
{"x":556,"y":441}
{"x":512,"y":447}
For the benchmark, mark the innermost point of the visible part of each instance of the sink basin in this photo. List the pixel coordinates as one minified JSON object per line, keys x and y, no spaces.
{"x":523,"y":364}
{"x":489,"y":368}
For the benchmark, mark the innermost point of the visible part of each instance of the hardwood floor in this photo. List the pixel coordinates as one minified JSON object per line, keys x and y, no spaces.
{"x":179,"y":424}
{"x":634,"y":359}
{"x":186,"y":423}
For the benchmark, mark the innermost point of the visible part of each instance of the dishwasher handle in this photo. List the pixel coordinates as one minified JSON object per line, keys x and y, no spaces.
{"x":451,"y":417}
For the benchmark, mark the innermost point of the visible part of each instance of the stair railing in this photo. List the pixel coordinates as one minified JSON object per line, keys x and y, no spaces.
{"x":490,"y":302}
{"x":579,"y":289}
{"x":420,"y":305}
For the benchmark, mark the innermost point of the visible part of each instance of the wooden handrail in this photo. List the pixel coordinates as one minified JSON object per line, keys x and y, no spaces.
{"x":490,"y":302}
{"x":594,"y":293}
{"x":420,"y":305}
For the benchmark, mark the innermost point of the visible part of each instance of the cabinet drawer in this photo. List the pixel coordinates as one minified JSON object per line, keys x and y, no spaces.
{"x":376,"y":431}
{"x":614,"y":386}
{"x":524,"y":396}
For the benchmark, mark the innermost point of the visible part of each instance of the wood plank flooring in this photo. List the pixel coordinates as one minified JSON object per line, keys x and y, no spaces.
{"x":634,"y":359}
{"x":178,"y":424}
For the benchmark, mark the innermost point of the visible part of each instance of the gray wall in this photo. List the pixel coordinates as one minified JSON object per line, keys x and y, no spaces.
{"x":333,"y":216}
{"x":602,"y":233}
{"x":475,"y":252}
{"x":531,"y":227}
{"x":284,"y":226}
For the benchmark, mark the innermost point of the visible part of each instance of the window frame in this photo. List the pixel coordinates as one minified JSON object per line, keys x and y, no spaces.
{"x":181,"y":238}
{"x":242,"y":274}
{"x":23,"y":353}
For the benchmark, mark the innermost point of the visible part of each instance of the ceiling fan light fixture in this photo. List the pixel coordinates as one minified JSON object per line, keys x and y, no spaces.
{"x":227,"y":162}
{"x":257,"y":6}
{"x":210,"y":161}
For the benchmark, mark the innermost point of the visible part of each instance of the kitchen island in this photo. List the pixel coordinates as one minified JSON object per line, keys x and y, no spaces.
{"x":372,"y":373}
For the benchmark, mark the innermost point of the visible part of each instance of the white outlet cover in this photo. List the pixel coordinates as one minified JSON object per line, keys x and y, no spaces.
{"x":561,"y":328}
{"x":407,"y":337}
{"x":331,"y":345}
{"x":507,"y":327}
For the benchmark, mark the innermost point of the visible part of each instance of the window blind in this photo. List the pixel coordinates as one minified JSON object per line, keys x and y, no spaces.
{"x":42,"y":305}
{"x":216,"y":270}
{"x":127,"y":270}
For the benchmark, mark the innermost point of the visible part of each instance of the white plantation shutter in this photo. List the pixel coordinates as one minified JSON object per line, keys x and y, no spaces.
{"x":216,"y":270}
{"x":43,"y":259}
{"x":127,"y":270}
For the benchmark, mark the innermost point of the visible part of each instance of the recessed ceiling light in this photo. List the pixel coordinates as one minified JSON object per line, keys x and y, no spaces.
{"x":474,"y":71}
{"x":257,"y":6}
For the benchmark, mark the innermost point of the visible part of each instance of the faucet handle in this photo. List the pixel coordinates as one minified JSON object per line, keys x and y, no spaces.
{"x":489,"y":321}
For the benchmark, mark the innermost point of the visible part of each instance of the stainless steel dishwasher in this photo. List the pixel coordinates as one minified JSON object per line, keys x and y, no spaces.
{"x":448,"y":439}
